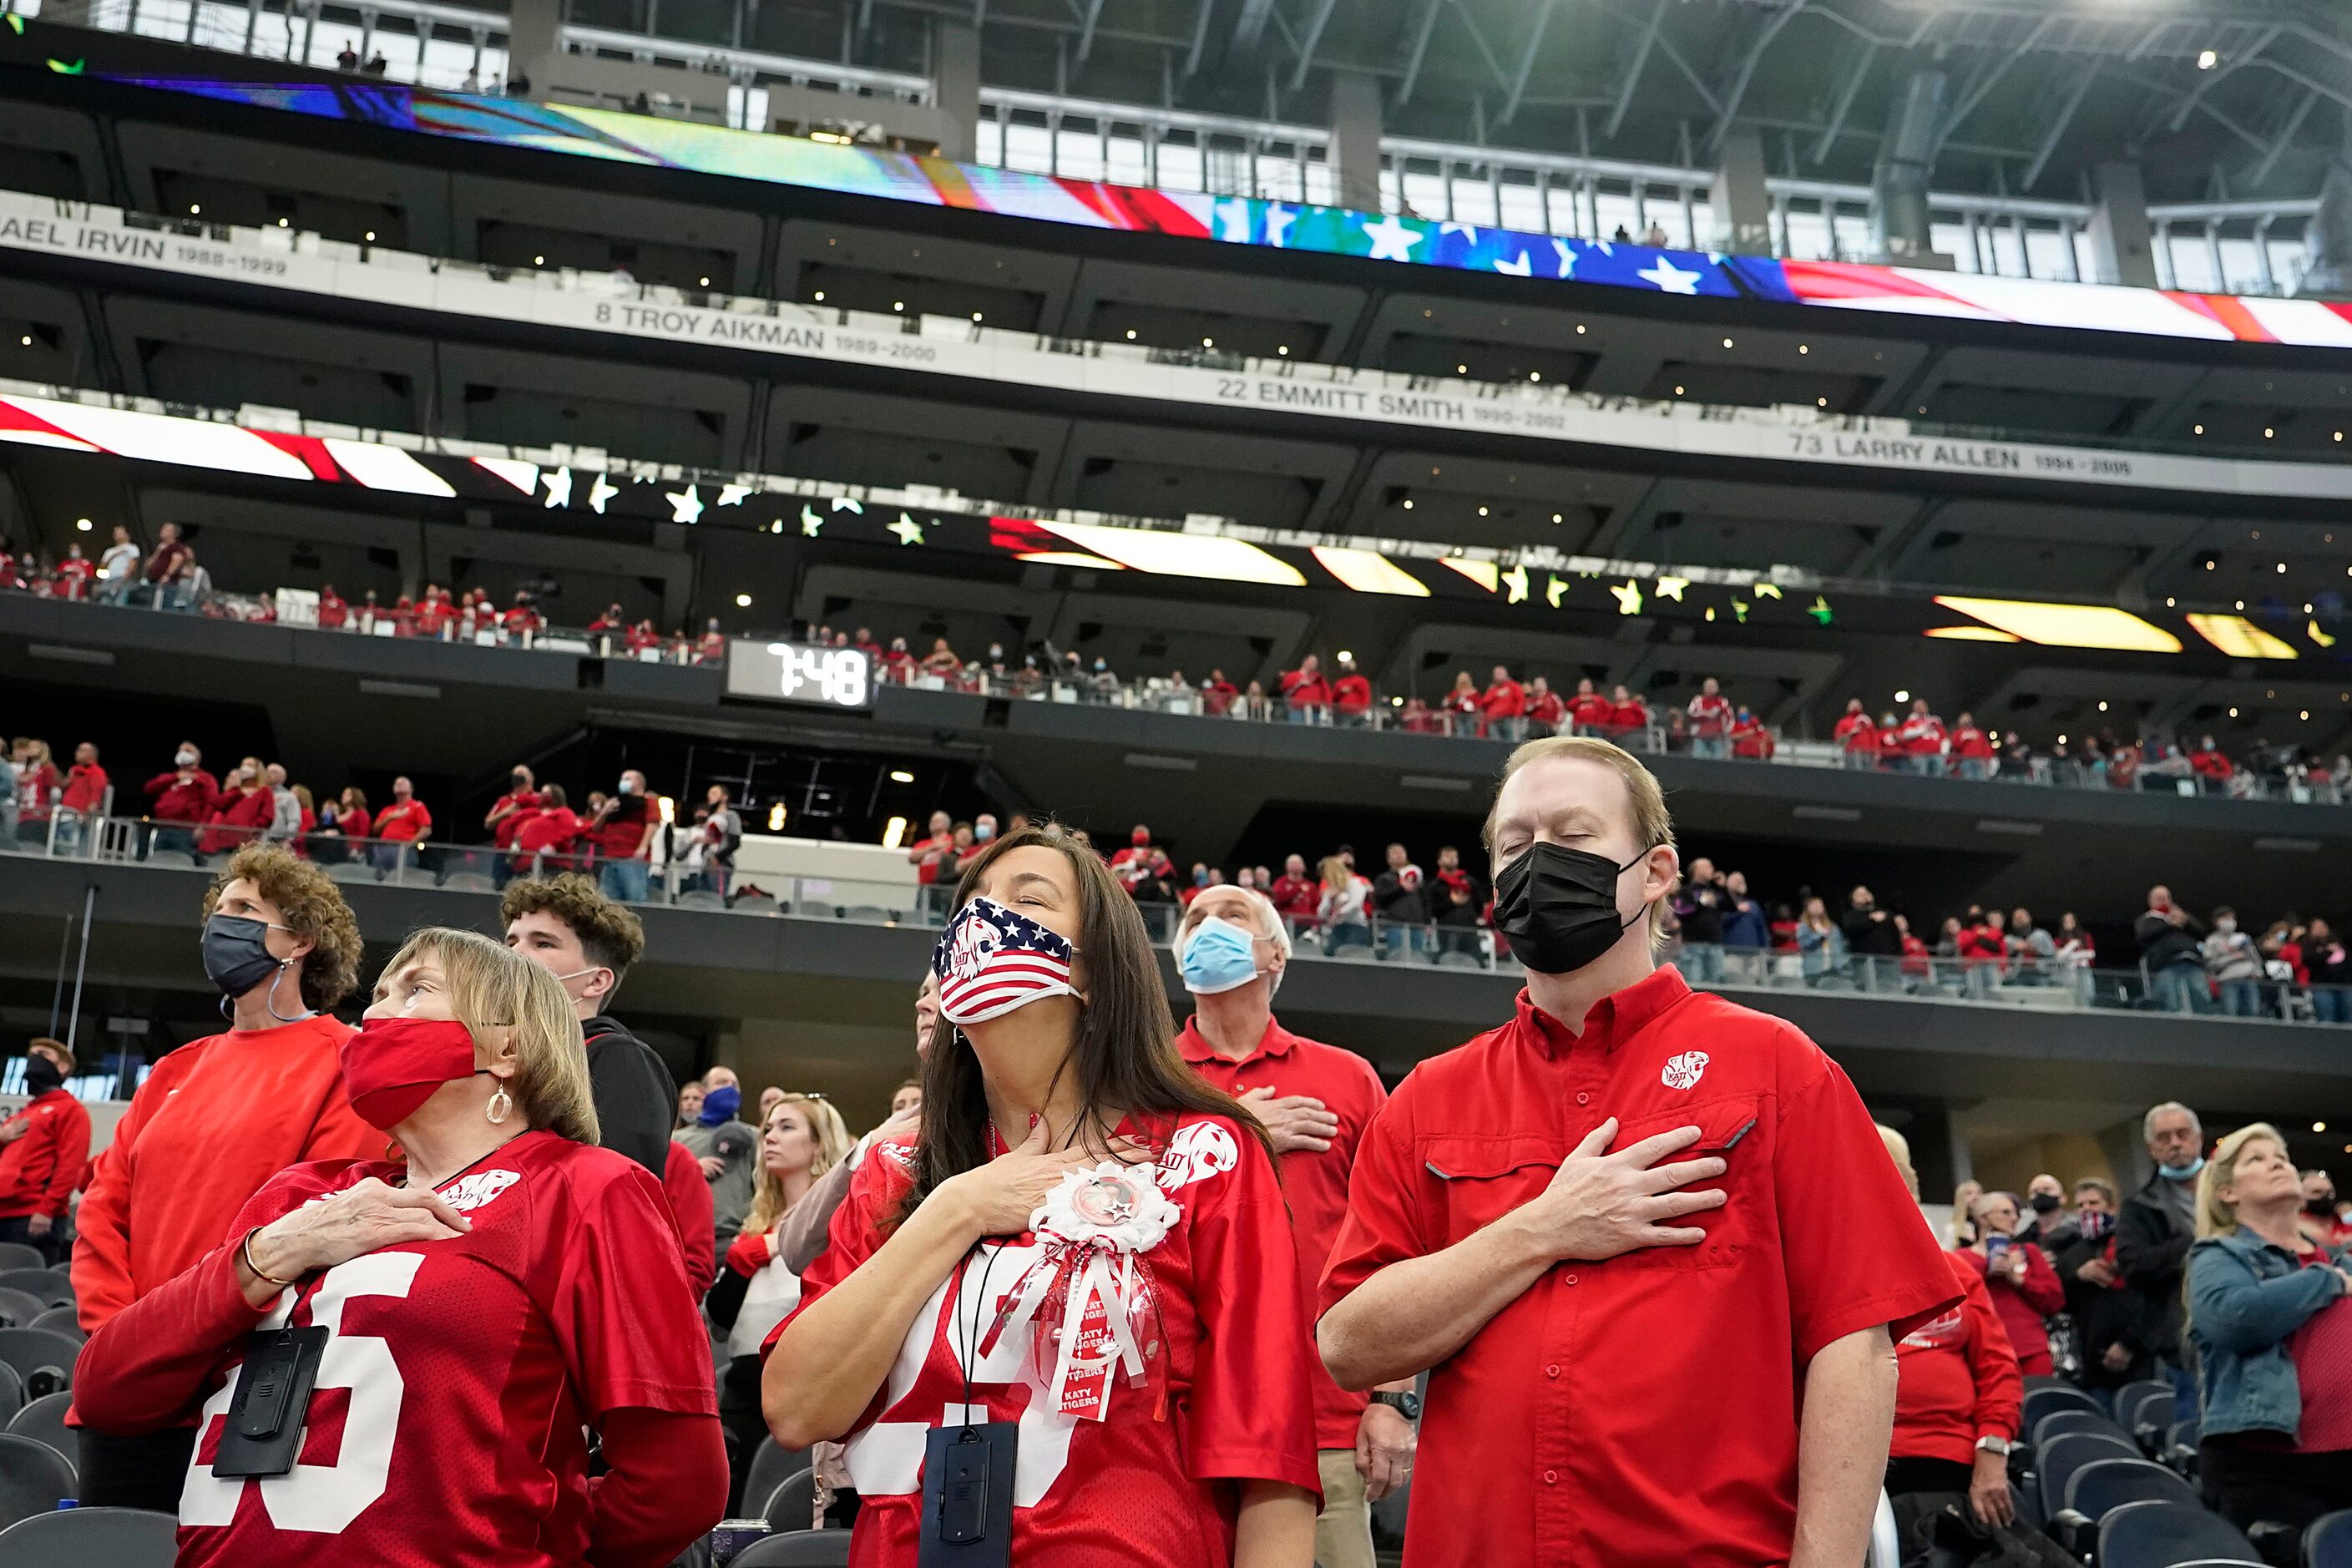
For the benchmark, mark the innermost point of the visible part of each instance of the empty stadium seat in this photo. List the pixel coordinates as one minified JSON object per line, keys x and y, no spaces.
{"x":469,"y":882}
{"x":2054,"y":1397}
{"x":2328,"y":1542}
{"x":44,"y":1421}
{"x":2058,"y":1423}
{"x":352,"y":871}
{"x":46,"y":1286}
{"x":756,"y":904}
{"x":793,"y":1505}
{"x":771,"y":1466}
{"x":701,"y":899}
{"x":175,"y":859}
{"x":60,"y":1320}
{"x":2169,"y":1535}
{"x":34,"y":1478}
{"x":867,"y":914}
{"x":798,"y":1549}
{"x":18,"y":1310}
{"x":78,"y":1537}
{"x":15,"y":1255}
{"x":12,"y":1392}
{"x":2057,"y":1460}
{"x":2101,"y":1487}
{"x":43,"y":1358}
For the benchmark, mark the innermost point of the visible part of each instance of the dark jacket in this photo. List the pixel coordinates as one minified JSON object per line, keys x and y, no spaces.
{"x":2162,"y":942}
{"x":2245,"y":1297}
{"x":636,"y":1100}
{"x":2151,"y":1248}
{"x":1864,"y":935}
{"x":1396,"y":902}
{"x":1744,"y":924}
{"x":1699,"y":908}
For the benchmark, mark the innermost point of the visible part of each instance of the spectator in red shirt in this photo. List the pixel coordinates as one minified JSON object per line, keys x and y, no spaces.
{"x":1890,"y":743}
{"x":1628,"y":715}
{"x":1971,"y":748}
{"x":1589,"y":711}
{"x":74,"y":575}
{"x":2024,"y":1288}
{"x":1217,"y":695}
{"x":1450,"y":874}
{"x":1983,"y":951}
{"x":1297,"y":896}
{"x":1502,"y":707}
{"x":1922,"y":734}
{"x":933,"y":855}
{"x":609,"y":620}
{"x":2212,"y":769}
{"x":1417,"y":718}
{"x":522,"y":620}
{"x":84,"y":797}
{"x":1305,"y":695}
{"x":1857,"y":737}
{"x":44,"y":1151}
{"x":434,"y":614}
{"x":1749,"y":739}
{"x":242,"y":814}
{"x":899,"y":662}
{"x":333,"y":611}
{"x":181,"y":800}
{"x":643,"y":638}
{"x":1957,"y":1395}
{"x":1710,"y":715}
{"x":507,"y":815}
{"x":401,"y":828}
{"x":1545,"y":711}
{"x":623,"y":831}
{"x":544,"y":835}
{"x":1133,"y":864}
{"x":1351,"y":693}
{"x":341,"y":826}
{"x":1462,"y":705}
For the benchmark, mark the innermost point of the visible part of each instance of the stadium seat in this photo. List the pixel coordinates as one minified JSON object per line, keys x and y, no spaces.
{"x":18,"y":1310}
{"x":793,"y":1505}
{"x":772,"y":1465}
{"x":1453,"y":960}
{"x":798,"y":1549}
{"x":12,"y":1392}
{"x":469,"y":882}
{"x":701,"y":899}
{"x":175,"y":859}
{"x":2146,"y":1412}
{"x":865,"y":914}
{"x":15,"y":1255}
{"x":756,"y":904}
{"x":60,"y":1320}
{"x":2170,"y":1535}
{"x":2328,"y":1542}
{"x":2181,"y":1447}
{"x":34,"y":1478}
{"x":44,"y":1421}
{"x":2055,"y":1397}
{"x":42,"y":1358}
{"x":1356,"y":952}
{"x":352,"y":871}
{"x":1398,"y":952}
{"x":44,"y":1285}
{"x":2057,"y":1460}
{"x":2058,"y":1423}
{"x":2101,"y":1487}
{"x":812,"y":909}
{"x":78,"y":1537}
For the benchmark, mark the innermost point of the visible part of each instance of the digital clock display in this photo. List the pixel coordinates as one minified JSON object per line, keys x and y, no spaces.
{"x":801,"y":672}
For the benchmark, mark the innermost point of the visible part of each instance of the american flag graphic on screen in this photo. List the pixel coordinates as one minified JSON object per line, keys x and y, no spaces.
{"x":992,"y":960}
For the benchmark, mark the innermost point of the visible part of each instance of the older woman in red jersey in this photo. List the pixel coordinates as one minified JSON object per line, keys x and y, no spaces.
{"x":1080,"y":1266}
{"x":487,"y":1302}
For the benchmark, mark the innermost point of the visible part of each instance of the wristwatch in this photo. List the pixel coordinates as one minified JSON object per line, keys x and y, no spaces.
{"x":1407,"y":1404}
{"x":1992,"y":1444}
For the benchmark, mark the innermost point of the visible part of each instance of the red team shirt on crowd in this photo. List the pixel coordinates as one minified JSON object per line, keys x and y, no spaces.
{"x":1589,"y":710}
{"x":444,"y":1424}
{"x":1640,"y":1411}
{"x":1131,"y":1488}
{"x":1956,"y":1379}
{"x":1858,"y":732}
{"x":1710,"y":716}
{"x":1315,"y":1183}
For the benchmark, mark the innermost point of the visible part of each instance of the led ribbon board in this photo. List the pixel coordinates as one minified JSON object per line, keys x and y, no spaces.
{"x":1281,"y":225}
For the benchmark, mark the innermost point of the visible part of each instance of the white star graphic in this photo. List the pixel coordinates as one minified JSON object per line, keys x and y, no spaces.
{"x":1669,"y":277}
{"x":686,"y":505}
{"x":1629,"y":598}
{"x":1234,"y":217}
{"x":907,"y":529}
{"x":1391,"y":240}
{"x":1558,"y":586}
{"x":559,"y":486}
{"x":848,"y":503}
{"x":1278,"y":219}
{"x":1568,"y":258}
{"x":733,"y":495}
{"x":1524,"y":267}
{"x":600,"y":492}
{"x":1671,"y":588}
{"x":1515,"y":580}
{"x":1467,"y":230}
{"x":810,"y":522}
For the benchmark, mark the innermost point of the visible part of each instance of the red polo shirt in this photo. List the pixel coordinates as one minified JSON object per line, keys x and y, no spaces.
{"x":1641,"y":1412}
{"x":1316,"y":1184}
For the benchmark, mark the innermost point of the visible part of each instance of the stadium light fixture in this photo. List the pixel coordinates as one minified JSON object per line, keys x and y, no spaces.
{"x":2319,"y":1127}
{"x":1902,"y":697}
{"x":706,"y":283}
{"x":2066,"y":626}
{"x":2103,"y":707}
{"x":83,"y":524}
{"x":195,"y":208}
{"x":1727,"y":343}
{"x":370,"y":236}
{"x":1369,"y":572}
{"x":1971,"y":634}
{"x":894,"y":833}
{"x":1166,"y":555}
{"x":1408,"y":503}
{"x":1555,"y":516}
{"x":2207,"y":59}
{"x":538,"y":261}
{"x":1130,"y":331}
{"x":742,"y":601}
{"x":900,"y":775}
{"x":1282,"y":348}
{"x":1804,"y":347}
{"x":820,"y":300}
{"x":776,"y":817}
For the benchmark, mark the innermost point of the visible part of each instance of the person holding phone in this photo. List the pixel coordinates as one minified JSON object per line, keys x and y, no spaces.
{"x":2025,"y":1289}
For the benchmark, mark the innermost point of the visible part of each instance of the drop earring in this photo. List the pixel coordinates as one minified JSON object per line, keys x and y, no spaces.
{"x":501,"y":1104}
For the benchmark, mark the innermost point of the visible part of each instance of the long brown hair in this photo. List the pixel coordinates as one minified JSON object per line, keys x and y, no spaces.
{"x":1125,"y":1058}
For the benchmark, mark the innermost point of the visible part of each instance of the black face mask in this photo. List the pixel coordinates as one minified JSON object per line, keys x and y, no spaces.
{"x":2046,"y":1203}
{"x":41,"y":1075}
{"x":1558,"y":907}
{"x":2324,"y":1207}
{"x":236,"y":953}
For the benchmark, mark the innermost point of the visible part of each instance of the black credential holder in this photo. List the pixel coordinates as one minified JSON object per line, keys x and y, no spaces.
{"x":269,"y":1412}
{"x":968,"y":1470}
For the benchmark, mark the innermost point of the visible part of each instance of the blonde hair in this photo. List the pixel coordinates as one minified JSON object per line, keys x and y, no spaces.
{"x":491,"y":988}
{"x":831,"y":1136}
{"x":1653,"y":824}
{"x":2215,"y":1218}
{"x":1334,"y":873}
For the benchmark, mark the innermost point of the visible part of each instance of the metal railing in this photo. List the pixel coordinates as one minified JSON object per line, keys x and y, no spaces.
{"x":2039,"y":983}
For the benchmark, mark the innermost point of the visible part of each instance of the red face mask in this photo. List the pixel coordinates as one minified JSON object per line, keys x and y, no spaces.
{"x":393,"y":1065}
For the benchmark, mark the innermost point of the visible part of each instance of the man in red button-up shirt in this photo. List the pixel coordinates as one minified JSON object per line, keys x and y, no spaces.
{"x":44,"y":1151}
{"x":1315,"y":1100}
{"x":1637,"y":1366}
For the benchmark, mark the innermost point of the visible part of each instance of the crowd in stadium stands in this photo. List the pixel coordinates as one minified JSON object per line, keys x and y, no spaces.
{"x":1508,"y":707}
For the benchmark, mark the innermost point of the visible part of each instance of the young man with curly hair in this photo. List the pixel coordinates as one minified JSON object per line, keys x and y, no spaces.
{"x":218,"y":1116}
{"x":588,"y":941}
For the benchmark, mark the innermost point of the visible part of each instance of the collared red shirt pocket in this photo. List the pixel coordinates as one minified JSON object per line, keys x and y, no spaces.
{"x":1728,"y":1130}
{"x":1483,"y":1179}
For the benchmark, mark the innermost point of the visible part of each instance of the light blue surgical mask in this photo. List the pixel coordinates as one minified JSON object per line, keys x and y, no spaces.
{"x":1218,"y":957}
{"x":2183,"y":1172}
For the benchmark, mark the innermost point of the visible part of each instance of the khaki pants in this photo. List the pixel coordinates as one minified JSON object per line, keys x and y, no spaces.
{"x":1343,"y":1532}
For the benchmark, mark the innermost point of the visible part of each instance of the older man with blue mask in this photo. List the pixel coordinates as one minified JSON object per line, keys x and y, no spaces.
{"x":1315,"y":1100}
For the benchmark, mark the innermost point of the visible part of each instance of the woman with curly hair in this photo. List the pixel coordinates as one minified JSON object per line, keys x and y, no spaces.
{"x":217,"y":1118}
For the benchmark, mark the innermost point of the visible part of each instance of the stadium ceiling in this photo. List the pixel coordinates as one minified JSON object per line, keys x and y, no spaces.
{"x":2217,"y":99}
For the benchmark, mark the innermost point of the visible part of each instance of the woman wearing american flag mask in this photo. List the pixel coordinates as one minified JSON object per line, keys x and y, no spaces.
{"x":1060,"y":1324}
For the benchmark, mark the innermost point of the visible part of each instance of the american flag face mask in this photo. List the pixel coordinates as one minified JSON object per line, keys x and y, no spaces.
{"x":991,"y":961}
